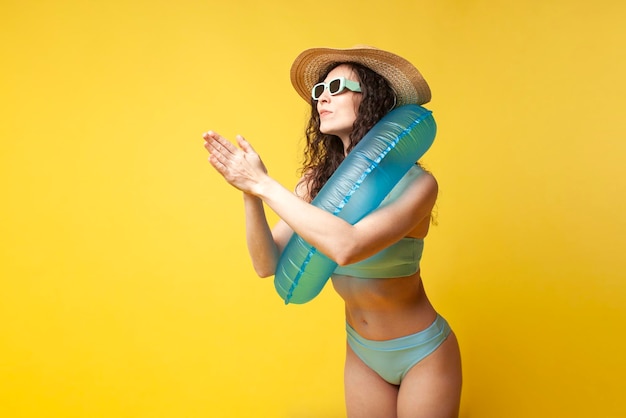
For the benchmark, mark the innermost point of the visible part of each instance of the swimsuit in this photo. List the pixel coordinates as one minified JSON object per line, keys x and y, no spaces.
{"x":399,"y":259}
{"x":392,"y":359}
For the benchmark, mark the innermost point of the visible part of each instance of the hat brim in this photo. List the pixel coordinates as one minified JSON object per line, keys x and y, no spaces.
{"x":403,"y":77}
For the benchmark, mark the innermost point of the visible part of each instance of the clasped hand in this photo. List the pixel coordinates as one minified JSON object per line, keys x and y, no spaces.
{"x":241,"y":167}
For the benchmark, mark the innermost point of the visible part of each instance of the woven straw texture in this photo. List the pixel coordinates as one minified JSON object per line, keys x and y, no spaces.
{"x":407,"y":82}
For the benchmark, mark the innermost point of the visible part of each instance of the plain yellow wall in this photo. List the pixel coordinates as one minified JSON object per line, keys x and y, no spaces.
{"x":125,"y":288}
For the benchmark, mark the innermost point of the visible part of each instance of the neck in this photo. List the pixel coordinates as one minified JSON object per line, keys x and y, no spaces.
{"x":345,"y":140}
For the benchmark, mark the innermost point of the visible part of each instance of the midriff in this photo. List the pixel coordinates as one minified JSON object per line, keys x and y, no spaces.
{"x":382,"y":309}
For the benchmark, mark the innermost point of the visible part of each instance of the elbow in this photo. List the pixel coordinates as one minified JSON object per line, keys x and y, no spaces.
{"x":264,"y":270}
{"x":346,"y":255}
{"x":265,"y":266}
{"x":264,"y":273}
{"x":344,"y":261}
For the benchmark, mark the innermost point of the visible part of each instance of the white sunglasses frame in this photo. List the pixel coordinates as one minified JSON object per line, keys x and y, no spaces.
{"x":344,"y":84}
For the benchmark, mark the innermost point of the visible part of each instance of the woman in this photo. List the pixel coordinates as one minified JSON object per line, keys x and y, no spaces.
{"x":402,"y":359}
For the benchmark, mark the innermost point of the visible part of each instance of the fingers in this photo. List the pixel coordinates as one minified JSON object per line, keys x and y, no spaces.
{"x":223,"y":154}
{"x":217,"y":143}
{"x":218,"y":160}
{"x":219,"y":153}
{"x":239,"y":164}
{"x":244,"y":145}
{"x":218,"y":165}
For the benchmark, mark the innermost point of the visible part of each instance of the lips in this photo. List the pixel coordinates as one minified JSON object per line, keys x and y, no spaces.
{"x":324,"y":113}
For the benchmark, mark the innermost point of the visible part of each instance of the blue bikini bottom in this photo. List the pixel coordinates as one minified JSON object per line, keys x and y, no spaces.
{"x":392,"y":359}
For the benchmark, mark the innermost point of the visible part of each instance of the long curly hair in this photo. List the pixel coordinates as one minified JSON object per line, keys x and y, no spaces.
{"x":323,"y":153}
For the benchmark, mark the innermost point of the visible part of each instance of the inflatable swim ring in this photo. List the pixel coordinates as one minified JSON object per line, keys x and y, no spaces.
{"x":357,"y":187}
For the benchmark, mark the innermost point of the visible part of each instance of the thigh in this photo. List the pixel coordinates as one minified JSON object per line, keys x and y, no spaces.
{"x":432,"y":388}
{"x":367,"y":394}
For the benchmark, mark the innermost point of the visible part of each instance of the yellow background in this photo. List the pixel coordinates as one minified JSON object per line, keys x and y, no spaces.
{"x":125,"y":287}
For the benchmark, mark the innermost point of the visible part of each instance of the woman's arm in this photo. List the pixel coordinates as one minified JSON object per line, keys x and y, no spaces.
{"x":336,"y":238}
{"x":345,"y":243}
{"x":264,"y":245}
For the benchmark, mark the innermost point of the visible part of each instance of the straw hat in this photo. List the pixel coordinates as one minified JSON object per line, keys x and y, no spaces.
{"x":404,"y":78}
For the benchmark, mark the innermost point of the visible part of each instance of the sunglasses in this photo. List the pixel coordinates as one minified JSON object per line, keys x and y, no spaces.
{"x":334,"y":86}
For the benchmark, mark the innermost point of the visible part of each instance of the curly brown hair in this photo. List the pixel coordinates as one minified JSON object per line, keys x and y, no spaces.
{"x":323,"y":153}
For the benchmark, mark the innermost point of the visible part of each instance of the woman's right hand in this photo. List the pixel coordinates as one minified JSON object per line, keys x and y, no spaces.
{"x":241,"y":167}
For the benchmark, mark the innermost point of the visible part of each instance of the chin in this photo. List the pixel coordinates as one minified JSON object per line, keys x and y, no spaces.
{"x":328,"y":130}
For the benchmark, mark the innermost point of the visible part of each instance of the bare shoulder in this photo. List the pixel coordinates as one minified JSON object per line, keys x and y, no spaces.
{"x":424,"y":187}
{"x":428,"y":181}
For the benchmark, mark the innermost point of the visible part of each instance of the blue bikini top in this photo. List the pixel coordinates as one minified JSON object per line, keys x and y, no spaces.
{"x":399,"y":259}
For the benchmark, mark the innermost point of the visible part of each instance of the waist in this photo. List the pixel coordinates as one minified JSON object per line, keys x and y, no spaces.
{"x":384,"y":309}
{"x":377,"y":294}
{"x":438,"y":328}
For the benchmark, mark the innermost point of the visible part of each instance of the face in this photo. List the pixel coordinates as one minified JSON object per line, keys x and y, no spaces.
{"x":338,"y":112}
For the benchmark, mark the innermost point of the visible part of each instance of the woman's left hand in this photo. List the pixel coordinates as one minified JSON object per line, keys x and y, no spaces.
{"x":241,"y":167}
